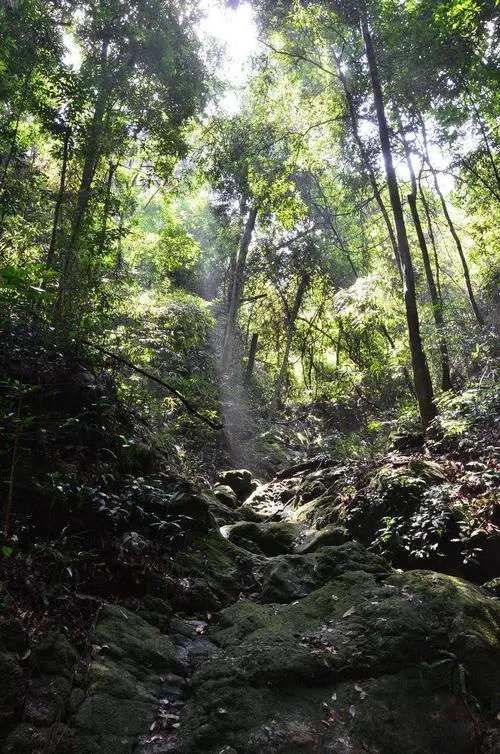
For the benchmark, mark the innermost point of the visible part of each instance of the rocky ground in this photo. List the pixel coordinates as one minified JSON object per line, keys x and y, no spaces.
{"x":339,"y":608}
{"x":277,"y":639}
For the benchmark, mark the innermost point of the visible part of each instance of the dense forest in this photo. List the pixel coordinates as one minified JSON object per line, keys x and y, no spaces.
{"x":249,"y":341}
{"x":322,"y":240}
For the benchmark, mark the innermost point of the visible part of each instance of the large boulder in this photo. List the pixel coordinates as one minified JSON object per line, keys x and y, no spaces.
{"x":366,"y":663}
{"x":211,"y":572}
{"x":289,"y":577}
{"x":269,"y":538}
{"x":127,"y":678}
{"x":330,"y":536}
{"x":240,"y":481}
{"x":225,"y":494}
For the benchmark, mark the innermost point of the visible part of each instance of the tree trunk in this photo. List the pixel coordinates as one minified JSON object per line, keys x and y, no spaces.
{"x":107,"y":203}
{"x":371,"y":175}
{"x":237,"y":288}
{"x":60,"y":198}
{"x":430,"y":231}
{"x":251,"y":358}
{"x":451,"y":226}
{"x":422,"y":379}
{"x":458,"y":243}
{"x":437,"y":307}
{"x":292,"y":317}
{"x":437,"y":304}
{"x":92,"y":154}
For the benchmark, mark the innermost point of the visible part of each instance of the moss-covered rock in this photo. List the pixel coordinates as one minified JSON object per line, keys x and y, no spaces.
{"x":46,"y":699}
{"x":28,"y":739}
{"x":226,"y":495}
{"x":493,"y":587}
{"x":289,"y":577}
{"x":271,"y":538}
{"x":129,"y":639}
{"x":211,"y":572}
{"x":364,"y":663}
{"x":240,"y":481}
{"x":329,"y":536}
{"x":125,"y":681}
{"x":225,"y":515}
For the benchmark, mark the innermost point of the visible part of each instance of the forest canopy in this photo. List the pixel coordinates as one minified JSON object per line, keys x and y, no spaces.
{"x":310,"y":238}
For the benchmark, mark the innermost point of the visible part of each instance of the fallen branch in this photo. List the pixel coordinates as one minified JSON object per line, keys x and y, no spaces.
{"x":189,"y":406}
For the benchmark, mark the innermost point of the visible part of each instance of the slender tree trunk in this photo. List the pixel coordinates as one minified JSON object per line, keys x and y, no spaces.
{"x":292,"y":317}
{"x":337,"y":347}
{"x":430,"y":231}
{"x":237,"y":287}
{"x":119,"y":247}
{"x":60,"y":198}
{"x":458,"y":244}
{"x":421,"y":375}
{"x":107,"y":203}
{"x":371,"y":175}
{"x":251,"y":358}
{"x":437,"y":308}
{"x":452,"y":229}
{"x":13,"y":140}
{"x":91,"y":160}
{"x":230,"y":277}
{"x":437,"y":304}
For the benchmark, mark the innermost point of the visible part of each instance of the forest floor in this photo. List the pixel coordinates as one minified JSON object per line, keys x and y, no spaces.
{"x":344,"y":606}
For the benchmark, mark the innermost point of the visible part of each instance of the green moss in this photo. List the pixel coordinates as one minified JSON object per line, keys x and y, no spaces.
{"x":133,"y":641}
{"x":109,"y":678}
{"x":416,"y":636}
{"x":330,"y":536}
{"x":124,"y":682}
{"x":271,"y":538}
{"x":289,"y":577}
{"x":215,"y":570}
{"x":414,"y":711}
{"x":101,"y":714}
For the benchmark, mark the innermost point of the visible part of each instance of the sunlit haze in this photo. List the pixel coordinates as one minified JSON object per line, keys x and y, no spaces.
{"x":235,"y":30}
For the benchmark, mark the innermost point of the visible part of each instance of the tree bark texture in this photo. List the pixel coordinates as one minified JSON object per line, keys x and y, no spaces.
{"x":436,"y":301}
{"x":421,"y":375}
{"x":237,"y":287}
